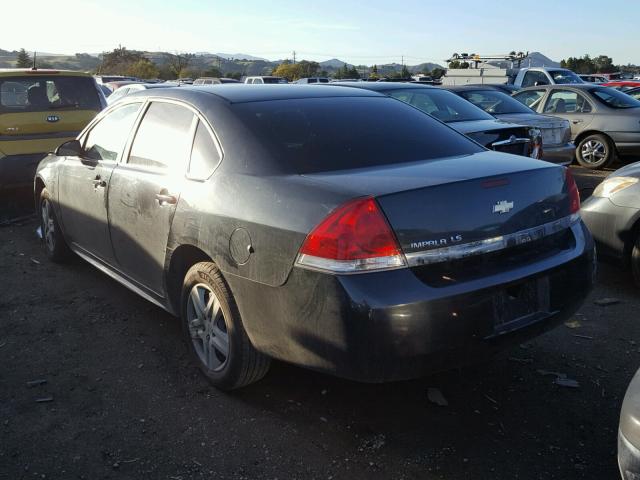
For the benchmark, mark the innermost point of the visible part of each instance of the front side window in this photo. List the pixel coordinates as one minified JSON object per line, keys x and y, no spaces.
{"x":108,"y":137}
{"x":39,"y":93}
{"x":530,"y":98}
{"x":441,"y":104}
{"x":566,"y":101}
{"x":163,"y":139}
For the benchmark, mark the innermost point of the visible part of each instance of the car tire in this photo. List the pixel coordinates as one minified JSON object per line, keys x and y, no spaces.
{"x":214,"y":333}
{"x":595,"y":152}
{"x":55,"y":246}
{"x":635,"y":260}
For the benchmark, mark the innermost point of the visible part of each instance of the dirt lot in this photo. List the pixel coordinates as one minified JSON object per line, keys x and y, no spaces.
{"x":121,"y":400}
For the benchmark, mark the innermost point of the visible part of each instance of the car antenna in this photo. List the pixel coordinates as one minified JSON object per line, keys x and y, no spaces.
{"x":34,"y":61}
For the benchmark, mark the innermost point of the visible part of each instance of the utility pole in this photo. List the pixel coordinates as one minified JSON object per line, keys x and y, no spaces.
{"x":294,"y":57}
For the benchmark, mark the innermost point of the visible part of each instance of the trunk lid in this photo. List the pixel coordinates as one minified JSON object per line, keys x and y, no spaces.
{"x":555,"y":131}
{"x":496,"y":135}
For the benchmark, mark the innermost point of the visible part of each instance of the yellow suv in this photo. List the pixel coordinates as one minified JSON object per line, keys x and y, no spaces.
{"x":39,"y":110}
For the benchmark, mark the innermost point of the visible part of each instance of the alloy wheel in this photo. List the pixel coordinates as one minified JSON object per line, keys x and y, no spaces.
{"x":593,"y":151}
{"x":207,"y":327}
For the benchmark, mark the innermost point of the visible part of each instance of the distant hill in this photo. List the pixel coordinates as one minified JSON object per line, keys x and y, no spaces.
{"x":240,"y":56}
{"x":333,"y":63}
{"x":533,"y":59}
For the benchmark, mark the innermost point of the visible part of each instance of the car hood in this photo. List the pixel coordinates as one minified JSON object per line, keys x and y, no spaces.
{"x":631,"y":170}
{"x":474,"y":126}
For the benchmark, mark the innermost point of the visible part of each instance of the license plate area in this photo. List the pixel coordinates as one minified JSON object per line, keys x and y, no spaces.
{"x":520,"y":303}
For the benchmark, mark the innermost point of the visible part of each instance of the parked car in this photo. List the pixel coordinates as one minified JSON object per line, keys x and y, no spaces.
{"x":556,"y":132}
{"x":39,"y":109}
{"x":106,"y":91}
{"x":605,"y":123}
{"x":629,"y":432}
{"x":460,"y":115}
{"x":265,"y":79}
{"x":612,"y":213}
{"x":102,"y":79}
{"x":136,"y":87}
{"x":518,"y":77}
{"x":313,"y":80}
{"x":214,"y":81}
{"x":623,"y":85}
{"x":292,"y":222}
{"x":591,"y":78}
{"x":113,"y":86}
{"x":185,"y":81}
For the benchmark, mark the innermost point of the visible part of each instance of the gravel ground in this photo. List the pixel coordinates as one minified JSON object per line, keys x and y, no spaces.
{"x":96,"y":383}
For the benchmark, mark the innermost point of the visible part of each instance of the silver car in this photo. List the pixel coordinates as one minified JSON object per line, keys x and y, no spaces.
{"x":605,"y":123}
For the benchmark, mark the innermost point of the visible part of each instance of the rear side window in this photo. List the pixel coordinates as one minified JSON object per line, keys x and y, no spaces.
{"x":107,"y":138}
{"x":163,"y":139}
{"x":529,"y":98}
{"x":38,"y":93}
{"x":205,"y":155}
{"x":324,"y":134}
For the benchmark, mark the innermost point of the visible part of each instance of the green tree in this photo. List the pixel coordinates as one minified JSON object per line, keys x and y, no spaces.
{"x":178,"y":62}
{"x":23,"y":60}
{"x":119,"y":61}
{"x":143,"y":68}
{"x":438,"y":73}
{"x":212,"y":72}
{"x":405,"y":73}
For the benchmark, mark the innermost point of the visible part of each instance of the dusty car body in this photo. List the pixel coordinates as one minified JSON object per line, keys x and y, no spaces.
{"x":295,"y":222}
{"x":605,"y":123}
{"x":629,"y":433}
{"x":556,"y":132}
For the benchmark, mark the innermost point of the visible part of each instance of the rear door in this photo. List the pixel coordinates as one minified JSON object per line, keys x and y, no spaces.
{"x":144,"y":191}
{"x":83,"y":182}
{"x":570,"y":105}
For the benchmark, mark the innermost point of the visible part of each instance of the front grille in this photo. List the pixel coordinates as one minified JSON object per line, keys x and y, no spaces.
{"x":462,"y":270}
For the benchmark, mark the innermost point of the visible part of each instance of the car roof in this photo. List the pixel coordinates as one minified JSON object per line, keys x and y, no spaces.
{"x":20,"y":72}
{"x":381,"y":86}
{"x":576,"y":86}
{"x":240,"y":93}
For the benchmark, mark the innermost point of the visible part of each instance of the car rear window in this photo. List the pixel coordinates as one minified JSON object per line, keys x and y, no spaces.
{"x":614,"y":98}
{"x":494,"y":102}
{"x":44,"y":93}
{"x":325,"y":134}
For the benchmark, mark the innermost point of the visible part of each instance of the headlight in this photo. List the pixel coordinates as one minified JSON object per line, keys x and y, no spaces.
{"x":613,"y":185}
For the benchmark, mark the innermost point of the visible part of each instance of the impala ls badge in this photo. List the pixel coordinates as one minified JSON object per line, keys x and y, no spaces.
{"x":503,"y":206}
{"x":52,"y":118}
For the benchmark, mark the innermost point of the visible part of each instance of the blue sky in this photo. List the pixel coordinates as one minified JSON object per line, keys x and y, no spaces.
{"x":358,"y":32}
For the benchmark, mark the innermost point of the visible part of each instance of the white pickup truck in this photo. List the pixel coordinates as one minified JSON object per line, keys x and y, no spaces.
{"x":522,"y":77}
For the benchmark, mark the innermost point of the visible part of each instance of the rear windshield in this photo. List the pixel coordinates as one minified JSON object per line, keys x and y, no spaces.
{"x":614,"y":98}
{"x":44,"y":93}
{"x":494,"y":102}
{"x":444,"y":105}
{"x":324,"y":134}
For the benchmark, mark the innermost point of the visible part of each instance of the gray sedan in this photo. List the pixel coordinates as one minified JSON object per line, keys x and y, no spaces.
{"x":612,"y":214}
{"x":605,"y":123}
{"x":556,"y":132}
{"x":629,"y":433}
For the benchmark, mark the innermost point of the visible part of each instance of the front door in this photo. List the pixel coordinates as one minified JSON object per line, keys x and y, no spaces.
{"x":570,"y":105}
{"x":83,"y":182}
{"x":144,"y":191}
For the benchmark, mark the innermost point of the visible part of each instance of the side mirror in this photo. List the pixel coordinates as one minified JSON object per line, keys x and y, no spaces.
{"x":72,"y":148}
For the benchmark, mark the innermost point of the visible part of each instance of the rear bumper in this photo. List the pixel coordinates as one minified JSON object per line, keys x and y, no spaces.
{"x":610,"y":224}
{"x":561,"y":155}
{"x":391,"y":325}
{"x":18,"y":171}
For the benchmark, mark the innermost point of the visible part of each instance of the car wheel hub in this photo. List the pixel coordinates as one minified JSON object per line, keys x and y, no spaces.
{"x":593,"y":151}
{"x":207,"y":327}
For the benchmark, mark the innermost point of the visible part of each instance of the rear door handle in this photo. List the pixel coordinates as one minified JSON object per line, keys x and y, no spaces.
{"x":166,"y":199}
{"x":575,"y":122}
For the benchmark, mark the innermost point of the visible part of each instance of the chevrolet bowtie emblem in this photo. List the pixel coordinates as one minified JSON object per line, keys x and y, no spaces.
{"x":503,"y":206}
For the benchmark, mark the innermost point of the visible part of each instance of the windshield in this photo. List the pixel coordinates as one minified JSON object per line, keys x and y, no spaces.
{"x":441,"y":104}
{"x":44,"y":93}
{"x":274,"y":80}
{"x":494,"y":102}
{"x":614,"y":98}
{"x":564,"y":76}
{"x":324,"y":134}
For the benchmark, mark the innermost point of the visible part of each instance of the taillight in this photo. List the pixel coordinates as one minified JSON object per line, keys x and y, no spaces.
{"x":572,"y":190}
{"x":353,"y":238}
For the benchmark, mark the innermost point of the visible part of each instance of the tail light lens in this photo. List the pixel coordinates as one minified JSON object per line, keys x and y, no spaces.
{"x":574,"y":194}
{"x":353,"y":238}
